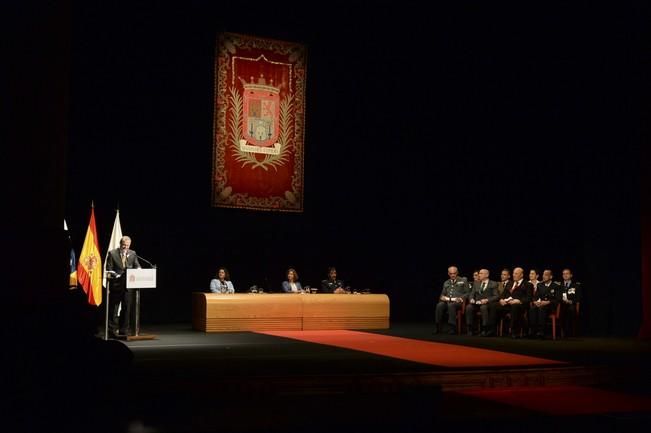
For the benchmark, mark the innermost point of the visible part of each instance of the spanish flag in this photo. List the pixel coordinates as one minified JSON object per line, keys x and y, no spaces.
{"x":89,"y":267}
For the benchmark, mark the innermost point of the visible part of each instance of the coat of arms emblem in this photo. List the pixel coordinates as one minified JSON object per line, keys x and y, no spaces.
{"x":261,"y":110}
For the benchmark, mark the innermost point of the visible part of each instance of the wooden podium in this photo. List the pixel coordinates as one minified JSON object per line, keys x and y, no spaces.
{"x":140,"y":279}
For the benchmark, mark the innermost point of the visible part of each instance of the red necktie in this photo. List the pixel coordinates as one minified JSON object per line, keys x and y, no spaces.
{"x":515,"y":286}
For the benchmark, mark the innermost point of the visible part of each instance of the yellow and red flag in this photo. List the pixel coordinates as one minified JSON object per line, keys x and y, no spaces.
{"x":89,"y":267}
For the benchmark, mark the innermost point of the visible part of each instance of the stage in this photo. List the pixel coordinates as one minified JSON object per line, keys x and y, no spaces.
{"x":400,"y":379}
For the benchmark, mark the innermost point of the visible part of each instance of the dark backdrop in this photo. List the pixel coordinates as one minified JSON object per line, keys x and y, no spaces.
{"x":480,"y":135}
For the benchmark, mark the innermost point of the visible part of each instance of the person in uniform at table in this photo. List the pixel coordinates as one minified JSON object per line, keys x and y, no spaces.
{"x":332,"y":284}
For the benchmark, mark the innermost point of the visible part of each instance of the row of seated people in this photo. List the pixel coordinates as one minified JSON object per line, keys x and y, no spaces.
{"x":525,"y":304}
{"x":222,"y":283}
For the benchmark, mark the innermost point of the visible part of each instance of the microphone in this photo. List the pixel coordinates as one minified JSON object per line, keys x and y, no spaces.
{"x":146,"y":261}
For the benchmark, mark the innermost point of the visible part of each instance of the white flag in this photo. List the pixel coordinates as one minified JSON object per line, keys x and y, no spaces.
{"x":114,"y":243}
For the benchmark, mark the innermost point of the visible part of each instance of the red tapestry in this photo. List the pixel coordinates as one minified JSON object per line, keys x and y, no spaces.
{"x":259,"y":124}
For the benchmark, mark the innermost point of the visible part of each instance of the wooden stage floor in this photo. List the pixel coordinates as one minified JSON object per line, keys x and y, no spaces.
{"x":244,"y":381}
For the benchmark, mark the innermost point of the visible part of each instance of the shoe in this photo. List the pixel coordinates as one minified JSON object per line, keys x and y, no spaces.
{"x":436,"y":330}
{"x":469,"y":334}
{"x":452,"y":331}
{"x":540,"y":336}
{"x":483,"y":334}
{"x":489,"y":334}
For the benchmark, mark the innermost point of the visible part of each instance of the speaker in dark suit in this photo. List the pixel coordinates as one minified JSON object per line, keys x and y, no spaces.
{"x":117,"y":263}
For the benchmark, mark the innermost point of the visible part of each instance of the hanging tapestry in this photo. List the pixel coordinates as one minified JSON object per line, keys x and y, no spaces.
{"x":259,"y":124}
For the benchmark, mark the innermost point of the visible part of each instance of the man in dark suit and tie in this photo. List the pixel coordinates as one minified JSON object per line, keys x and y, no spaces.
{"x":505,"y":278}
{"x":513,"y":301}
{"x":483,"y":296}
{"x":117,"y":263}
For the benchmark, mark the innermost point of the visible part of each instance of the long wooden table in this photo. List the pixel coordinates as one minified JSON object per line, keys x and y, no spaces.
{"x":212,"y":312}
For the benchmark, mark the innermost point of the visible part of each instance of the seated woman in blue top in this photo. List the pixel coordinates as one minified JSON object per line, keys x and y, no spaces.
{"x":292,"y":285}
{"x":222,"y":284}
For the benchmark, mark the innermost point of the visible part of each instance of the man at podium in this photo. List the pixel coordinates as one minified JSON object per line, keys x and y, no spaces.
{"x":117,"y":263}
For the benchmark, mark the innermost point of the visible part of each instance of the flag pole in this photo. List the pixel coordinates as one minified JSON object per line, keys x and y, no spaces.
{"x":107,"y":306}
{"x":107,"y":314}
{"x":108,"y":281}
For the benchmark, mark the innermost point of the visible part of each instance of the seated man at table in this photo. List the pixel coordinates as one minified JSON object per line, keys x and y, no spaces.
{"x":332,"y":284}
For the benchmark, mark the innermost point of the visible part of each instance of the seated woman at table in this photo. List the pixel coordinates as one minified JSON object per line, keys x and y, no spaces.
{"x":292,"y":285}
{"x":332,"y":284}
{"x":222,"y":284}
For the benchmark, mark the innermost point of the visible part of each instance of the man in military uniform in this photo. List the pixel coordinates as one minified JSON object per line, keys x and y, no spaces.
{"x":482,"y":297}
{"x":453,"y":295}
{"x":544,"y":299}
{"x":570,"y":298}
{"x":332,"y":284}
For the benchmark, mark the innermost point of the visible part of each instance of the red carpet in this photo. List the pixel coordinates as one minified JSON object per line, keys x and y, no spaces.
{"x":566,"y":400}
{"x":426,"y":352}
